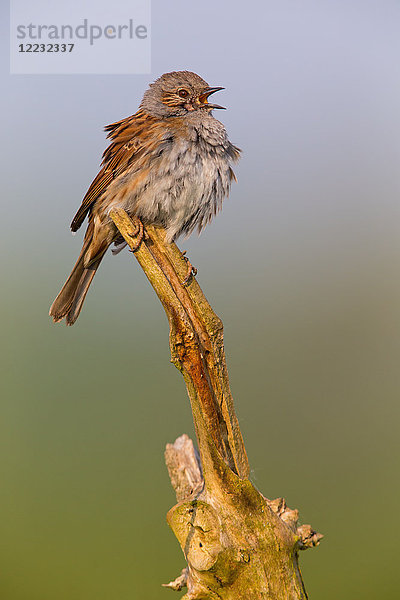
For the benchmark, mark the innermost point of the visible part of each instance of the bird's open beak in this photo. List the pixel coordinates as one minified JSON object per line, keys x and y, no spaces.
{"x":203,"y":98}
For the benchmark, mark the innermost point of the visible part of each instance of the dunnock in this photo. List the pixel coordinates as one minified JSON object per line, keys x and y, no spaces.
{"x":168,"y":164}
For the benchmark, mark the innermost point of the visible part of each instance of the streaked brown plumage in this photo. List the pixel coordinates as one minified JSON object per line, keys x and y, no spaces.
{"x":168,"y":164}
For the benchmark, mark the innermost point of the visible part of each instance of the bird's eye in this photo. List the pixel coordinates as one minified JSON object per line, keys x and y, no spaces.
{"x":183,"y":93}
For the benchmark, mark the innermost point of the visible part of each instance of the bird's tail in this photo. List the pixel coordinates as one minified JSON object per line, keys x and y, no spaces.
{"x":69,"y":301}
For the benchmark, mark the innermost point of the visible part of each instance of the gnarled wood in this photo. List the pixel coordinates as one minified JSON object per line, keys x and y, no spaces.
{"x":237,"y":543}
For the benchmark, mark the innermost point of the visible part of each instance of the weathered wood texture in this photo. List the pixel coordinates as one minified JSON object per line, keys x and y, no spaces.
{"x":237,"y":543}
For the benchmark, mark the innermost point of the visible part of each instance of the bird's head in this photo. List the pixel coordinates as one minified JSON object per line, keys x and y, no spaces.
{"x":178,"y":93}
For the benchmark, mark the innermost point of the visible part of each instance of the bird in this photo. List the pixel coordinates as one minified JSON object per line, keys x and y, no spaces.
{"x":169,"y":164}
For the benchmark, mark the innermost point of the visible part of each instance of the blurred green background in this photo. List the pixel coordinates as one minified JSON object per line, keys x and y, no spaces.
{"x":303,"y":267}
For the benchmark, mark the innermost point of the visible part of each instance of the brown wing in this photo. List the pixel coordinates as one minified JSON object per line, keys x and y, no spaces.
{"x":126,"y":145}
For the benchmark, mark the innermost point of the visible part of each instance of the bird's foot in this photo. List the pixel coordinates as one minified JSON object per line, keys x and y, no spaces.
{"x":137,"y":232}
{"x":191,"y":270}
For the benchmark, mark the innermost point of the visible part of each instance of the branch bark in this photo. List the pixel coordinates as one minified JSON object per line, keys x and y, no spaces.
{"x":237,"y":543}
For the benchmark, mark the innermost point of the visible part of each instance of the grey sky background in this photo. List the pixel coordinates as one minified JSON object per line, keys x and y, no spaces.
{"x":303,"y":266}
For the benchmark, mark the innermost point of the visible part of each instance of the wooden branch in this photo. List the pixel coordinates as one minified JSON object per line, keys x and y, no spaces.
{"x":237,"y":543}
{"x":196,"y":340}
{"x":184,"y":468}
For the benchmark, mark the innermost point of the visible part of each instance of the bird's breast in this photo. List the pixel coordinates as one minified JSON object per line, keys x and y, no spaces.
{"x":180,"y":185}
